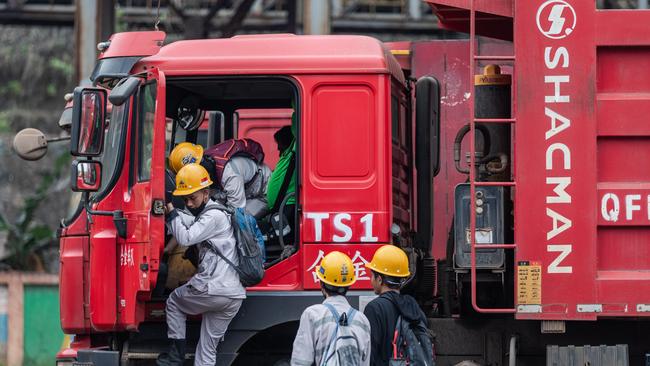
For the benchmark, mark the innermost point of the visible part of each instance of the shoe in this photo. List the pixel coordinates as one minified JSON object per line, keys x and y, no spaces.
{"x":175,"y":356}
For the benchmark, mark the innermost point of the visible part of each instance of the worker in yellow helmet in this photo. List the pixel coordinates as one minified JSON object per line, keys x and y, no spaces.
{"x":215,"y":290}
{"x":333,"y":329}
{"x":392,"y":311}
{"x":237,"y":169}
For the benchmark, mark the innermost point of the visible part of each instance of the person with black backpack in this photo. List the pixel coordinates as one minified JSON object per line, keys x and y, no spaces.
{"x":333,"y":333}
{"x":398,"y":327}
{"x":216,"y":290}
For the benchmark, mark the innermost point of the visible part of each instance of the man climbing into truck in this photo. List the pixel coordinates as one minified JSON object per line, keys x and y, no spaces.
{"x":215,"y":290}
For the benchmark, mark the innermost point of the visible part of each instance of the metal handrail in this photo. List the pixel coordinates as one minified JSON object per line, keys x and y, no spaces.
{"x":472,"y":173}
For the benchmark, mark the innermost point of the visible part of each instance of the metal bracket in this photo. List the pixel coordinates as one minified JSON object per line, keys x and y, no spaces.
{"x":553,"y":326}
{"x":590,"y":308}
{"x":643,"y":308}
{"x":158,"y":207}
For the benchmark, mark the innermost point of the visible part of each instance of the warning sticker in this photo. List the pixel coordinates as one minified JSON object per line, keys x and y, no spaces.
{"x":529,"y":283}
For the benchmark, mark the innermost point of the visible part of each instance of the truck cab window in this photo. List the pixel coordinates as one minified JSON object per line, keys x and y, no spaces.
{"x":145,"y":130}
{"x":113,"y":153}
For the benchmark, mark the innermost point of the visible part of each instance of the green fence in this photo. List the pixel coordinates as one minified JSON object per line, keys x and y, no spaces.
{"x":43,"y":336}
{"x":30,"y":330}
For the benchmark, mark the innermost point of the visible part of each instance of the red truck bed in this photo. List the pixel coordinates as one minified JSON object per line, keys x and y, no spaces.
{"x":581,"y":149}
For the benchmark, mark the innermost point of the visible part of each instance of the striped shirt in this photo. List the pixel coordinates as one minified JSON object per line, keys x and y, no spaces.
{"x":317,"y":324}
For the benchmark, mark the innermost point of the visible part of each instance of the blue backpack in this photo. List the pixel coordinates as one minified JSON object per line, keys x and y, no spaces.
{"x":249,"y":245}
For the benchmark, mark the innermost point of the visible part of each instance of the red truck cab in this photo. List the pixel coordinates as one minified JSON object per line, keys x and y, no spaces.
{"x":355,"y":157}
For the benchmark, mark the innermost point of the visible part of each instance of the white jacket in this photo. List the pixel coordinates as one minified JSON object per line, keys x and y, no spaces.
{"x":214,"y":275}
{"x":317,"y":325}
{"x":244,"y":179}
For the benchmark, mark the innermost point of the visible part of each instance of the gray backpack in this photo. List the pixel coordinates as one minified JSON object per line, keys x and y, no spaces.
{"x":343,"y":348}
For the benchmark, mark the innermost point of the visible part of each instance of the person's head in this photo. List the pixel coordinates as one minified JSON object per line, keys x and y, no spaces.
{"x":193,"y":186}
{"x":336,"y":274}
{"x":183,"y":154}
{"x":283,"y":138}
{"x":390,"y":267}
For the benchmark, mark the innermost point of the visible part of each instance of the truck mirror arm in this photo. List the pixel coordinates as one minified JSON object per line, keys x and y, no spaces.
{"x":118,"y":216}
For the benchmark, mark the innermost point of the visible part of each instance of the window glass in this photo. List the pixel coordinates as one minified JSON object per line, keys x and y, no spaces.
{"x":113,"y":145}
{"x":145,"y":131}
{"x":201,"y":136}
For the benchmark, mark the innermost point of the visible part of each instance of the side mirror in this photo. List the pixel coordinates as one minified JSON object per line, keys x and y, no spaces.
{"x":123,"y":90}
{"x":86,"y":176}
{"x":88,"y":121}
{"x":30,"y":144}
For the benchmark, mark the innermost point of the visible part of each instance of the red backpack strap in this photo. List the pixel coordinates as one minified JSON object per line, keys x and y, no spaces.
{"x":395,"y":342}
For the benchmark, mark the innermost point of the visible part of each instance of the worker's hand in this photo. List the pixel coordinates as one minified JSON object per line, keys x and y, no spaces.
{"x":169,"y":208}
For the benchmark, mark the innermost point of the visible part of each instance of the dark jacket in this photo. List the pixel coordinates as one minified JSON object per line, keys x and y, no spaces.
{"x":382,"y":314}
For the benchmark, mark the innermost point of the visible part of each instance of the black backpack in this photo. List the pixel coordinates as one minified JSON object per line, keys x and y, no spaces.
{"x":248,"y":244}
{"x":412,"y":344}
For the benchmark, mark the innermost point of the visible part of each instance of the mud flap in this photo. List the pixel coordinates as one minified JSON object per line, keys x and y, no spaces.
{"x":91,"y":357}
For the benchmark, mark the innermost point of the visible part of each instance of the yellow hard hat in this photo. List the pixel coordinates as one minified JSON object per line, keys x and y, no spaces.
{"x":336,"y":269}
{"x":390,"y":261}
{"x":183,"y":154}
{"x":191,"y":178}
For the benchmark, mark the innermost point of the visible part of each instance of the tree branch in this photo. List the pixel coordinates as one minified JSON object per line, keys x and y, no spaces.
{"x":238,"y":18}
{"x":176,"y":9}
{"x":214,"y":9}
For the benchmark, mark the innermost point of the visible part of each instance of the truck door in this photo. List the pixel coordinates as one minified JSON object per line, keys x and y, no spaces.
{"x":139,"y":253}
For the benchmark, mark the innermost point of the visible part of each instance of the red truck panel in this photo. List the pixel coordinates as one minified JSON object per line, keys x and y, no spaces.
{"x":345,"y":183}
{"x":72,"y":275}
{"x":582,"y":213}
{"x":134,"y":44}
{"x":582,"y":192}
{"x":103,"y":276}
{"x":493,"y":18}
{"x":446,"y":60}
{"x":360,"y":255}
{"x":343,"y":166}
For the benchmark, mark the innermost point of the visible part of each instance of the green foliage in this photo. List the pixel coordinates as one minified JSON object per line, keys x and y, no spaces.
{"x":120,"y":22}
{"x":5,"y":125}
{"x":11,"y":89}
{"x":51,"y":90}
{"x":25,"y":236}
{"x":62,"y":66}
{"x":14,"y":88}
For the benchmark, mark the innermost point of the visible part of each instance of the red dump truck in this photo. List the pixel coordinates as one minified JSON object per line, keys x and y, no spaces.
{"x":510,"y":166}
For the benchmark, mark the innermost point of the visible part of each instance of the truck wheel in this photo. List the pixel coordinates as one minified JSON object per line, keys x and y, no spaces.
{"x":124,"y":356}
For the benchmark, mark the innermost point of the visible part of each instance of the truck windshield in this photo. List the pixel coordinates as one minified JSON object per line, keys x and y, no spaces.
{"x":112,"y":156}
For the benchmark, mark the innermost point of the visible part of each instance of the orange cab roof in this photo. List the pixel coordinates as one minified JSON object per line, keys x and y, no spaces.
{"x":276,"y":54}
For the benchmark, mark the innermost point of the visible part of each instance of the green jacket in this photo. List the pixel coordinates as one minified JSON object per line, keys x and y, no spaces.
{"x":277,"y":177}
